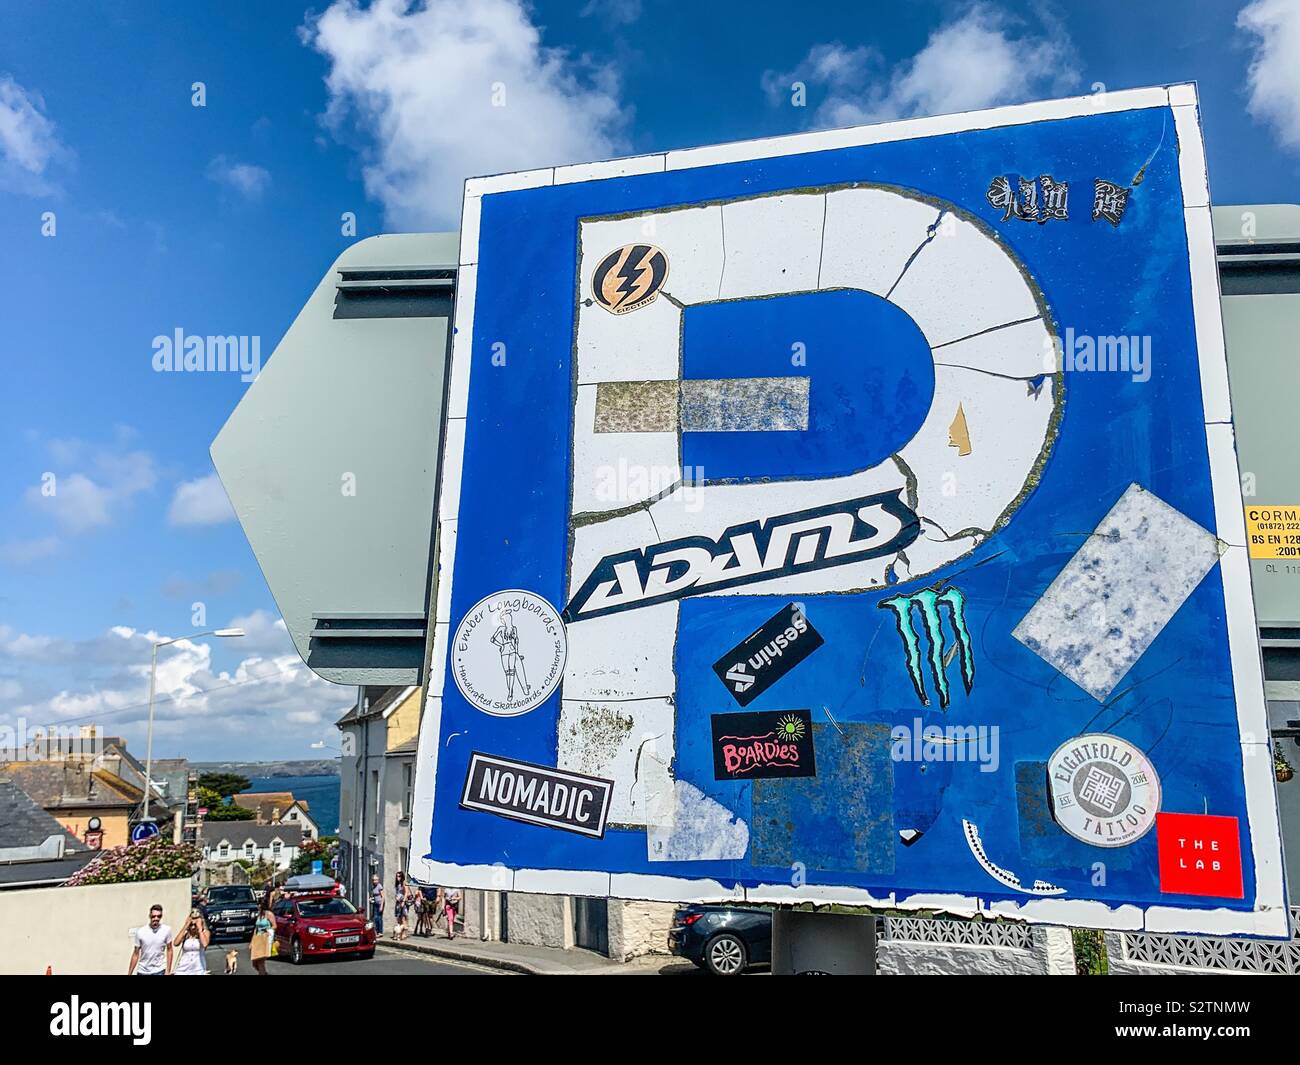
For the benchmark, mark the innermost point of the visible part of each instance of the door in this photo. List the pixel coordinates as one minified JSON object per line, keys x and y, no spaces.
{"x":591,"y":924}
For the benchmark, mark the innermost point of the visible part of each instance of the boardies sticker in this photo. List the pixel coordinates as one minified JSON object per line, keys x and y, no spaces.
{"x":509,"y":653}
{"x":537,"y":794}
{"x":1104,"y":790}
{"x":772,"y":743}
{"x":767,"y":654}
{"x":1200,"y":854}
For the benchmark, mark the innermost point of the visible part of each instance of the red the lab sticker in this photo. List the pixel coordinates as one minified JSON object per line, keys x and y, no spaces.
{"x":1200,"y":854}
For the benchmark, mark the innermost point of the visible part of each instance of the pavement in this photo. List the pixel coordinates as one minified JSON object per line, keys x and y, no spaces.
{"x":539,"y":961}
{"x":386,"y":962}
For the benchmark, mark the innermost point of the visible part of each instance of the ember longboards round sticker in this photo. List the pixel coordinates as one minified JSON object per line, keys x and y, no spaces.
{"x":509,"y":653}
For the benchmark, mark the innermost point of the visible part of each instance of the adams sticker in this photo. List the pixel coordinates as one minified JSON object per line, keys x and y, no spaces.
{"x":1104,"y":790}
{"x":509,"y":651}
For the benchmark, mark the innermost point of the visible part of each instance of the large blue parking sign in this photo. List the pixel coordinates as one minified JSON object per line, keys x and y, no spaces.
{"x":855,"y":517}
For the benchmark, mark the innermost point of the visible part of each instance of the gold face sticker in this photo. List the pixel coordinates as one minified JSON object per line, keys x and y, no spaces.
{"x":629,"y":277}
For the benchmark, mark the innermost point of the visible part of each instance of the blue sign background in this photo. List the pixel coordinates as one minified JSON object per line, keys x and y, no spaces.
{"x":1176,"y":704}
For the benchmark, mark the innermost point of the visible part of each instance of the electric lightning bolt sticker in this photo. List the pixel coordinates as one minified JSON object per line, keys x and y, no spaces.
{"x":629,"y":277}
{"x":928,"y":601}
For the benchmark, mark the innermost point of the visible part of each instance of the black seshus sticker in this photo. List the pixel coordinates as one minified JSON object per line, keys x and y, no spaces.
{"x":767,"y":654}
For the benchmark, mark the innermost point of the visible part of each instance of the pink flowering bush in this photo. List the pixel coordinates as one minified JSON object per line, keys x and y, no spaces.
{"x":155,"y":859}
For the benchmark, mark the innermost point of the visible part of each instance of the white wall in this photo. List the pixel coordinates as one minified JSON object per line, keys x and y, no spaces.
{"x":541,"y":920}
{"x":82,"y":930}
{"x":637,"y":928}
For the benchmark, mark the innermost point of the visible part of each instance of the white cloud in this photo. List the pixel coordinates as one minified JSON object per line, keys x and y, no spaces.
{"x":613,"y":12}
{"x":29,"y":145}
{"x":25,"y":552}
{"x":248,"y":180}
{"x":981,"y":59}
{"x":91,"y":497}
{"x":1274,"y":76}
{"x":422,"y":85}
{"x":269,"y":705}
{"x":201,"y":501}
{"x":218,"y":582}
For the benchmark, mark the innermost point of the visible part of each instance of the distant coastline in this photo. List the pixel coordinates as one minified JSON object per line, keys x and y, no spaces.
{"x":316,"y":767}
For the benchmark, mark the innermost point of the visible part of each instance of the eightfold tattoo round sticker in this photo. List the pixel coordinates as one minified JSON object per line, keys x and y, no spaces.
{"x":508,"y":653}
{"x":1104,"y":790}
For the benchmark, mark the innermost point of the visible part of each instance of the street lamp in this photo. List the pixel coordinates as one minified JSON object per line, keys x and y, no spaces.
{"x":153,"y":673}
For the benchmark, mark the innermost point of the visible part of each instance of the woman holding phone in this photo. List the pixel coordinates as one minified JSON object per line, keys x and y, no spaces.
{"x":191,"y":942}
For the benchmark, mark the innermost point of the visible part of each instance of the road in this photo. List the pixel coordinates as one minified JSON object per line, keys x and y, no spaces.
{"x":386,"y":962}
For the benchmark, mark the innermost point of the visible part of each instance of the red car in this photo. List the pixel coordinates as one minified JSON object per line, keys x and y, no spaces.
{"x":308,"y":926}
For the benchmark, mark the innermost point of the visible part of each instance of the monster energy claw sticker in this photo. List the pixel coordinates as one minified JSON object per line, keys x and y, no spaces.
{"x":1104,"y":790}
{"x":509,"y":653}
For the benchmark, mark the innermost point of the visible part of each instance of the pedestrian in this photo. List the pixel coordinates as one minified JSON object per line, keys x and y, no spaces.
{"x":192,"y":940}
{"x":259,"y":948}
{"x":401,"y":903}
{"x":377,"y":904}
{"x":423,"y":914}
{"x":152,"y":955}
{"x":451,"y":902}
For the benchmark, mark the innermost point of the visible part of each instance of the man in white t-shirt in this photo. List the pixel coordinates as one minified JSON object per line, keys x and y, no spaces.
{"x":152,"y":955}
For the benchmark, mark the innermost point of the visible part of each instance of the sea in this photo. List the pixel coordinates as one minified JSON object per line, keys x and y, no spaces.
{"x":320,"y":793}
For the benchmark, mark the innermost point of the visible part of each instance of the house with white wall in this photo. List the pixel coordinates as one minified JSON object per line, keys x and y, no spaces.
{"x":226,"y":841}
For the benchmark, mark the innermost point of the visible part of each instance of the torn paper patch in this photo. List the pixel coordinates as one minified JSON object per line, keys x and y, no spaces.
{"x":688,"y":826}
{"x":1119,"y":591}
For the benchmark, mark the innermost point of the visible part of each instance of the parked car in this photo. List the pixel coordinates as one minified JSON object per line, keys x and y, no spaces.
{"x":725,"y":940}
{"x":321,"y":925}
{"x":230,"y":912}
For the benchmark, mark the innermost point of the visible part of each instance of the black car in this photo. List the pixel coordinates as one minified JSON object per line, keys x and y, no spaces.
{"x":231,"y":911}
{"x":725,"y":940}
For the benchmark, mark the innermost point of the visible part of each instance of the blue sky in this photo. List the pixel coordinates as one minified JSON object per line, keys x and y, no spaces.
{"x":220,"y":219}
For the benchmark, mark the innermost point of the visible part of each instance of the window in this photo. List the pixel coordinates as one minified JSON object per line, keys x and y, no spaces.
{"x":275,"y":848}
{"x":250,"y":848}
{"x":406,"y":794}
{"x":224,"y":849}
{"x":325,"y":908}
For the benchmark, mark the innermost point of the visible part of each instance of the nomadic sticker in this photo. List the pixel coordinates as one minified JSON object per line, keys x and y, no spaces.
{"x":537,"y":794}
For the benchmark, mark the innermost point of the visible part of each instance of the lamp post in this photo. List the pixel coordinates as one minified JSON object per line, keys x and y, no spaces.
{"x":153,"y":674}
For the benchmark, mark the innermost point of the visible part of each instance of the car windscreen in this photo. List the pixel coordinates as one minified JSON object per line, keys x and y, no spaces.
{"x":325,"y":907}
{"x":227,"y":895}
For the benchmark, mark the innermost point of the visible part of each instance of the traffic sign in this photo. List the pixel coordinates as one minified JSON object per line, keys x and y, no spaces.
{"x":143,"y":830}
{"x":950,"y":391}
